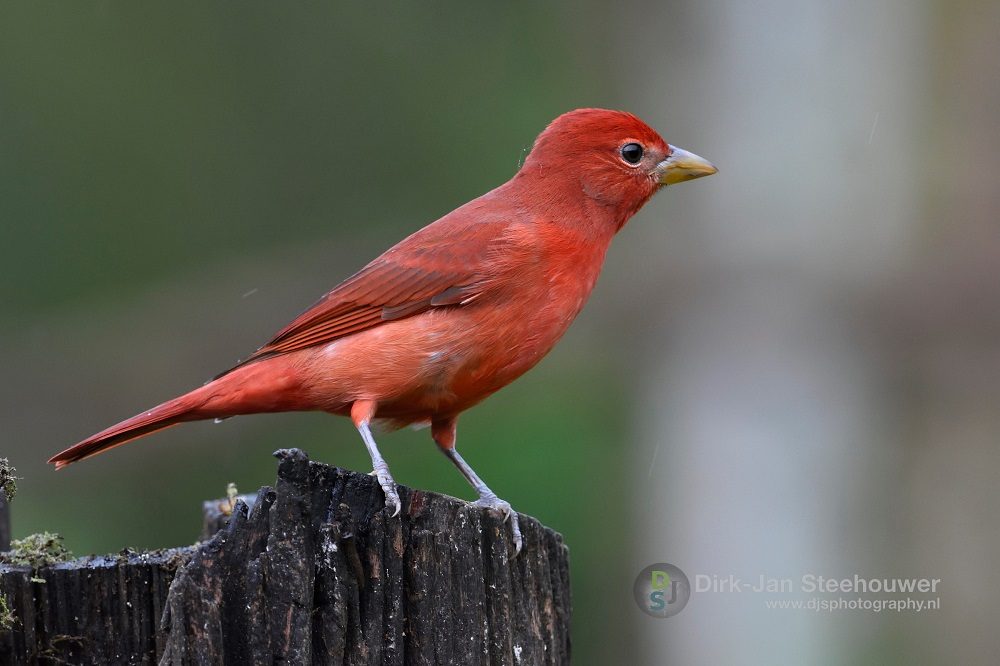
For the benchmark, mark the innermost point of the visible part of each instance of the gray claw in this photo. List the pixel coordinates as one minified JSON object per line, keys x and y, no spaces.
{"x":503,"y":508}
{"x":389,"y":488}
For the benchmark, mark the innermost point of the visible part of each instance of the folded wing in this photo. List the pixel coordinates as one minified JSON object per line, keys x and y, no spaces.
{"x":430,"y":269}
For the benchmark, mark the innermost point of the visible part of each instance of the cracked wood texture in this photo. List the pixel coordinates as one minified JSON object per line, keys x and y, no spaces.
{"x":94,"y":610}
{"x":4,"y":523}
{"x":319,"y":573}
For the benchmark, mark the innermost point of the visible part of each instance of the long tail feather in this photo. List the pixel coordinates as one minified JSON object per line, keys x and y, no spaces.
{"x":162,"y":416}
{"x":269,"y":385}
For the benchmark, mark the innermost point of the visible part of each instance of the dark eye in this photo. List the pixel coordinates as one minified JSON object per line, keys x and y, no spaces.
{"x":632,"y":153}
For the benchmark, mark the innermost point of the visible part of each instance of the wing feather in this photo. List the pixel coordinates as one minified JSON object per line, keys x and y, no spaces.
{"x":435,"y":267}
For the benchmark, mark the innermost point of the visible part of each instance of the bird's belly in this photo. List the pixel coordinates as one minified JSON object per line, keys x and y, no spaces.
{"x":437,"y":363}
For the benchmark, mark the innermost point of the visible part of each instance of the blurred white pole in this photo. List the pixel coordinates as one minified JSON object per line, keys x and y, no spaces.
{"x":762,"y":448}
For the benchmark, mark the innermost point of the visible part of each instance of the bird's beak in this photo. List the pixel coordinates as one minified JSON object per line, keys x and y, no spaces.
{"x":682,"y":165}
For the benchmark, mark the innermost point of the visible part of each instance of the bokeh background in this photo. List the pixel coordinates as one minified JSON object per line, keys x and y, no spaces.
{"x":791,"y":367}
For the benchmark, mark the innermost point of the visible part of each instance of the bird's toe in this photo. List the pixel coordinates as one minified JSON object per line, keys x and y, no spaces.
{"x":503,"y":507}
{"x":388,"y":485}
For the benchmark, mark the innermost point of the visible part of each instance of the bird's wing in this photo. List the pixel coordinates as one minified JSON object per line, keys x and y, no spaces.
{"x":434,"y":267}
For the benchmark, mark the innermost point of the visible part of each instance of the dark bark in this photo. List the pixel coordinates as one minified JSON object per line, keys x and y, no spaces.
{"x":316,"y":573}
{"x":4,"y":523}
{"x":94,"y":610}
{"x":215,"y":513}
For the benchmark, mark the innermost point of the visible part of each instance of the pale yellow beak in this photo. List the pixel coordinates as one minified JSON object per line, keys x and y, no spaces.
{"x":682,"y":165}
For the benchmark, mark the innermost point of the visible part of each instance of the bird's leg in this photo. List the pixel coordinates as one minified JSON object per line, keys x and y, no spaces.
{"x":443,"y":433}
{"x":362,"y":412}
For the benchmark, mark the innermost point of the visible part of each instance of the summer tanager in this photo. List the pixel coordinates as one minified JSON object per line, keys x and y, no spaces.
{"x":457,"y":310}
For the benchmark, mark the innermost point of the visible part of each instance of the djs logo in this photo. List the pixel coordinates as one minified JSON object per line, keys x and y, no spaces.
{"x":661,"y":590}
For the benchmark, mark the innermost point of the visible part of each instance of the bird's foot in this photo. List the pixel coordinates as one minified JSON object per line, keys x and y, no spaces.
{"x":491,"y":501}
{"x":381,"y":472}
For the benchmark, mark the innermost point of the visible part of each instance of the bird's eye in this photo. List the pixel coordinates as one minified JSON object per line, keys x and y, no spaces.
{"x":632,"y":153}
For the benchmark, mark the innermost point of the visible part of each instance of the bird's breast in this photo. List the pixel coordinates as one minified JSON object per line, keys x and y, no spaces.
{"x":447,"y":359}
{"x":510,"y":330}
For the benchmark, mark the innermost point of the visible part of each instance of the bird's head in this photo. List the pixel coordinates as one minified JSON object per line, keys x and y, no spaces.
{"x":613,"y":156}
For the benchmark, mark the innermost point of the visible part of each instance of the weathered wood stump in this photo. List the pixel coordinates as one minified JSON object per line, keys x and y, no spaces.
{"x":215,"y":513}
{"x":4,"y":523}
{"x":316,"y":572}
{"x":94,"y":610}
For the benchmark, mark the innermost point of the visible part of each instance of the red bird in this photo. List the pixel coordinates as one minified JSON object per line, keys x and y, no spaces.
{"x":454,"y":312}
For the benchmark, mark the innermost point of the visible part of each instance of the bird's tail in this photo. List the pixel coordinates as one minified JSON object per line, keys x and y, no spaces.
{"x":270,"y":385}
{"x":172,"y":412}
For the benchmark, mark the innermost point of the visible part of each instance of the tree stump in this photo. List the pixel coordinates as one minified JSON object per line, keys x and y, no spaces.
{"x":317,"y":572}
{"x":4,"y":523}
{"x":94,"y":610}
{"x":215,"y":513}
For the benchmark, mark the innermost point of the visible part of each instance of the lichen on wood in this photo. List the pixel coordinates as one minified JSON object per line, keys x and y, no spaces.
{"x":8,"y":480}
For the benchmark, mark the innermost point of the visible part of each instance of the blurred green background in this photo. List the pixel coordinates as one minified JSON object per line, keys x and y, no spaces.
{"x":789,"y":367}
